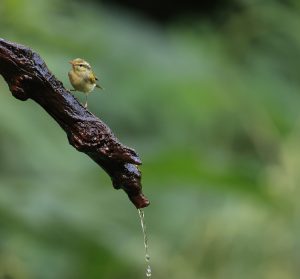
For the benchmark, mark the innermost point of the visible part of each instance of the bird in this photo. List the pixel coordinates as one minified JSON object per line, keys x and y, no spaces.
{"x":82,"y":77}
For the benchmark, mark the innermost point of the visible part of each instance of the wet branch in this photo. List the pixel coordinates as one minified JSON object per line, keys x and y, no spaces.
{"x":28,"y":77}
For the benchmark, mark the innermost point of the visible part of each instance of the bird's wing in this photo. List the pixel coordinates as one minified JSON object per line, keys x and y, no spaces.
{"x":91,"y":78}
{"x":97,"y":85}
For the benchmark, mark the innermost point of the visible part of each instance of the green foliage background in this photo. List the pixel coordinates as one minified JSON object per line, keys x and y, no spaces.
{"x":214,"y":114}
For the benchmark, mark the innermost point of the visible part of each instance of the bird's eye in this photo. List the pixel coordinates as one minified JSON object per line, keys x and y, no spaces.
{"x":80,"y":65}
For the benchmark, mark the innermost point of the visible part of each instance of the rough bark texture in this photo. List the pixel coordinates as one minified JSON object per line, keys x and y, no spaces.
{"x":28,"y":77}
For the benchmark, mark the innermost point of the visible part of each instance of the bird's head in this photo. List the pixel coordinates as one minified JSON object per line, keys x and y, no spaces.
{"x":80,"y":65}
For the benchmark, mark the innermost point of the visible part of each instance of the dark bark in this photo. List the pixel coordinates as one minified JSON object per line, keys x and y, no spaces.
{"x":28,"y":77}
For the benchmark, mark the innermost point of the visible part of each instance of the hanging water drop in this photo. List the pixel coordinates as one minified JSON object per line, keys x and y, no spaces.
{"x":148,"y":271}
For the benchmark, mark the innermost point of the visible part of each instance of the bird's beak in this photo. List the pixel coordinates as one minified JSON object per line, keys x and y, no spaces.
{"x":71,"y":62}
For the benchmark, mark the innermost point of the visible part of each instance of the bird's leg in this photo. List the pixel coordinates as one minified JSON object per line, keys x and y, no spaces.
{"x":86,"y":104}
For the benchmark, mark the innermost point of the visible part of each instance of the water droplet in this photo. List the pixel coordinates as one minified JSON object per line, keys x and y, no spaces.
{"x":148,"y":271}
{"x":147,"y":258}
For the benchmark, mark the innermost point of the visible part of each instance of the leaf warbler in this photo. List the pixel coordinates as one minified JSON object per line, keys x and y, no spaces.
{"x":82,"y":77}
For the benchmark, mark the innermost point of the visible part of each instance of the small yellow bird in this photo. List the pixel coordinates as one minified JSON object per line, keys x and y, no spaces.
{"x":82,"y":77}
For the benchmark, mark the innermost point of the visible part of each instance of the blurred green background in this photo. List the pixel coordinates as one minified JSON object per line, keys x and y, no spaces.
{"x":211,"y":104}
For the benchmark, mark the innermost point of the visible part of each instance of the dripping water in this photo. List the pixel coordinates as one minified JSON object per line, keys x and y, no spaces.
{"x":147,"y":256}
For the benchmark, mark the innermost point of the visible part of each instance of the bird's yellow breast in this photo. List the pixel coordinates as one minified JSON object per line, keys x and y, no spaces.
{"x":80,"y":81}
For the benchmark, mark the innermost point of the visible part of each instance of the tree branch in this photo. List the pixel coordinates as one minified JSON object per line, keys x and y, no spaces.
{"x":28,"y":77}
